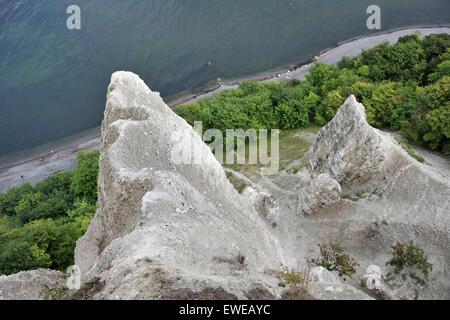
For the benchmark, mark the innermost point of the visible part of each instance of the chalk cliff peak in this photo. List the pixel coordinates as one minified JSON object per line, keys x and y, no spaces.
{"x":160,"y":218}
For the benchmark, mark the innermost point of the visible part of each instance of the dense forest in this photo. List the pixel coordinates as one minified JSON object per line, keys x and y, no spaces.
{"x":405,"y":87}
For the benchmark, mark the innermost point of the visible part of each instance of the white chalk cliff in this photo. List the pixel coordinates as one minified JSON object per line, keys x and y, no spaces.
{"x":164,"y":227}
{"x":170,"y":230}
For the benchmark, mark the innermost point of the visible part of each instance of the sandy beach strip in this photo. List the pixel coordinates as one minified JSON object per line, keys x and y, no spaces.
{"x":60,"y":158}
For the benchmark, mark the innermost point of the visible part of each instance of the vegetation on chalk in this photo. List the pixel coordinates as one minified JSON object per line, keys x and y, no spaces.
{"x":292,"y":278}
{"x":56,"y":294}
{"x":355,"y":197}
{"x":291,"y":147}
{"x":407,"y":147}
{"x":40,"y":225}
{"x":295,"y":284}
{"x":405,"y":87}
{"x":412,"y":258}
{"x":333,"y":258}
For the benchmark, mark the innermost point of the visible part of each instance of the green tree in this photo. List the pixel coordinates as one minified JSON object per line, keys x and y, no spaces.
{"x":346,"y":63}
{"x":82,"y":214}
{"x":189,"y":112}
{"x":18,"y":255}
{"x":319,"y":75}
{"x":44,"y":243}
{"x":58,"y":182}
{"x":381,"y":104}
{"x":26,"y":208}
{"x":402,"y":62}
{"x":84,"y":180}
{"x":442,"y":70}
{"x":438,"y":93}
{"x":438,"y":122}
{"x":10,"y":199}
{"x":435,"y":47}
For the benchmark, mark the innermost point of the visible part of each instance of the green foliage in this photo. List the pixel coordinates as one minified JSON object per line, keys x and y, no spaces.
{"x":412,"y":256}
{"x":27,"y":208}
{"x":333,"y":258}
{"x":40,"y":225}
{"x":189,"y":112}
{"x":320,"y":76}
{"x":436,"y":48}
{"x":17,"y":255}
{"x":59,"y":182}
{"x":50,"y":198}
{"x":438,"y":93}
{"x":401,"y":62}
{"x":10,"y":199}
{"x":36,"y":206}
{"x":292,"y":278}
{"x":389,"y":104}
{"x":82,"y":214}
{"x":442,"y":69}
{"x":407,"y":147}
{"x":329,"y":107}
{"x":346,"y":63}
{"x":84,"y":180}
{"x":39,"y":244}
{"x":430,"y":126}
{"x":253,"y":105}
{"x":56,"y":294}
{"x":364,"y":71}
{"x":5,"y":224}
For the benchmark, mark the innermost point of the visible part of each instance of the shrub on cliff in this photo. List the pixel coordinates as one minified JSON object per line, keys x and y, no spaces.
{"x":410,"y":256}
{"x":333,"y":258}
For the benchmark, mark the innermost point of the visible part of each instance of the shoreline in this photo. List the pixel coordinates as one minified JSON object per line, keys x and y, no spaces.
{"x":60,"y":155}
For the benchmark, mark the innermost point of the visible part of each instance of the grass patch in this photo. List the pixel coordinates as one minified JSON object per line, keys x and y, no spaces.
{"x":355,"y":197}
{"x":349,"y":197}
{"x":291,"y":147}
{"x":409,"y":149}
{"x":413,"y":257}
{"x":312,"y":128}
{"x":238,"y":183}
